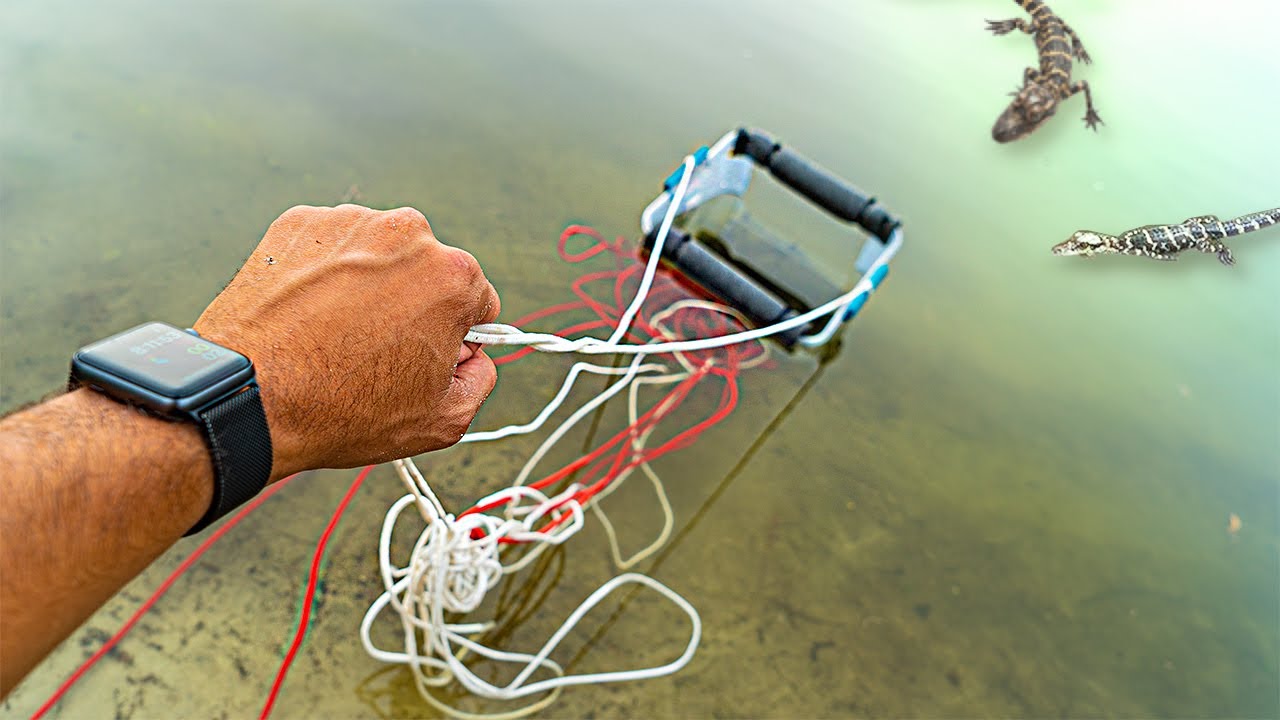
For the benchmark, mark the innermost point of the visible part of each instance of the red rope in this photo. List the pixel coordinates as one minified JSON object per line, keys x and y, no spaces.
{"x":312,"y":581}
{"x":160,"y":591}
{"x":601,"y":468}
{"x":572,"y":231}
{"x":584,"y":460}
{"x":611,"y":459}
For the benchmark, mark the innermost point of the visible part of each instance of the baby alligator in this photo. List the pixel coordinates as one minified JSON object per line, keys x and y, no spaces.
{"x":1164,"y":242}
{"x":1042,"y":89}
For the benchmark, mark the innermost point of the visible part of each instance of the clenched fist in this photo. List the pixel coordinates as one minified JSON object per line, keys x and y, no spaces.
{"x":354,"y":319}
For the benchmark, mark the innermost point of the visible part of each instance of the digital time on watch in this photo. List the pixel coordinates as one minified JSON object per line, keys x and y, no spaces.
{"x":181,"y":376}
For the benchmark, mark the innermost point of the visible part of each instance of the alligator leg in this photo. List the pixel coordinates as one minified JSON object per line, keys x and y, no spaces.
{"x":1077,"y":47}
{"x":1091,"y":119}
{"x":1216,"y":247}
{"x":1000,"y":27}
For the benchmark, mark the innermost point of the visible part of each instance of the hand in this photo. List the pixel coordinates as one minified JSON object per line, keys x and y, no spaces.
{"x":354,"y":319}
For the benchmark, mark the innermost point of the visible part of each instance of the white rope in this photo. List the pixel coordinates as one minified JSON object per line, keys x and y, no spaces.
{"x":637,"y":445}
{"x":449,"y":571}
{"x":638,"y":442}
{"x":655,"y":254}
{"x":628,"y":373}
{"x":456,"y":560}
{"x":502,"y":334}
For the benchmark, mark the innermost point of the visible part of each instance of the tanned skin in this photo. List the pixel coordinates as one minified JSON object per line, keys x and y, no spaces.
{"x":354,"y":319}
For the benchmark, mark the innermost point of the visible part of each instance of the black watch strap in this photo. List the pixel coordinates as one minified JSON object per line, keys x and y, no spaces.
{"x":240,"y":444}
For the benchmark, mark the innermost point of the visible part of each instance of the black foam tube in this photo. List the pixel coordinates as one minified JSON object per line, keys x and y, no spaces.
{"x":725,"y":282}
{"x":826,"y":190}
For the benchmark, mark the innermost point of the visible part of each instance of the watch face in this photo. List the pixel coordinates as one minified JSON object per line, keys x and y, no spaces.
{"x":164,"y":359}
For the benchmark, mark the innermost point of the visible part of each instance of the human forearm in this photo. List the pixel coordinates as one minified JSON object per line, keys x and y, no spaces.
{"x":355,"y":321}
{"x":104,"y":489}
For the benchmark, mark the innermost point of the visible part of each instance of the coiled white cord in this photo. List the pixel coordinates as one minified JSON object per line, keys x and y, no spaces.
{"x":456,"y":560}
{"x":450,"y":569}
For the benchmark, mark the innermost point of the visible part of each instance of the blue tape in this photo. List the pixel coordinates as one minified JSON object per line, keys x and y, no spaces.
{"x":699,"y":157}
{"x":856,"y":305}
{"x":877,"y":277}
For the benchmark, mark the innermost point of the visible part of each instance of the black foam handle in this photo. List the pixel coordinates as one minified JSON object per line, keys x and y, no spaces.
{"x":826,"y":190}
{"x":727,"y":283}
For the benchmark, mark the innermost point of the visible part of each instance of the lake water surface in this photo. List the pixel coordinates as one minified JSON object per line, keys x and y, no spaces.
{"x":1008,"y":495}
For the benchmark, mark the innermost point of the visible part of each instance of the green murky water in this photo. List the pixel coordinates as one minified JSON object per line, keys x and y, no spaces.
{"x":1007,"y":496}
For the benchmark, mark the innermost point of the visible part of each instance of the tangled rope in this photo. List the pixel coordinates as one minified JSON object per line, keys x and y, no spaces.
{"x":454,"y":562}
{"x":457,"y":559}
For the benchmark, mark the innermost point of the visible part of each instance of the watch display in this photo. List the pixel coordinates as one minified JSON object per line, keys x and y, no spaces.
{"x":163,"y":359}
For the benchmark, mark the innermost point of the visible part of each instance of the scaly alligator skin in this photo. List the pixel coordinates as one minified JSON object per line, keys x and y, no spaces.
{"x":1044,"y":88}
{"x":1164,"y":242}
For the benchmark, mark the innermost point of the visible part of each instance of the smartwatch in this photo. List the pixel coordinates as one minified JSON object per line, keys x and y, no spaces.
{"x":179,"y":375}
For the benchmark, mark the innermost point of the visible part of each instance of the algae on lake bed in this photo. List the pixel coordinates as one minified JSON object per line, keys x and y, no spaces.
{"x":1007,"y":495}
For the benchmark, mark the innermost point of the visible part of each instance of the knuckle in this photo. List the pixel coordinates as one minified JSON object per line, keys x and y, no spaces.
{"x":406,"y":218}
{"x":296,"y":216}
{"x":492,"y":304}
{"x":478,"y":299}
{"x":466,"y":267}
{"x":301,"y":211}
{"x":350,"y":211}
